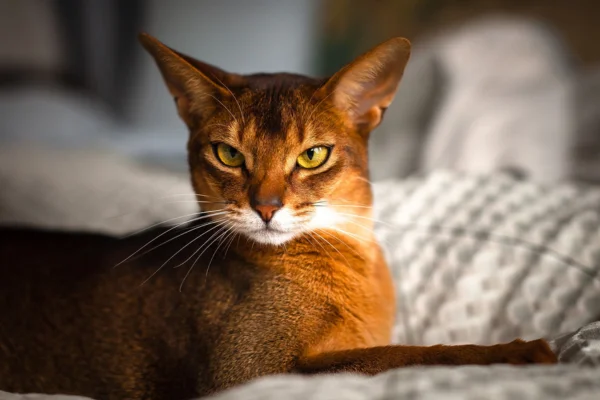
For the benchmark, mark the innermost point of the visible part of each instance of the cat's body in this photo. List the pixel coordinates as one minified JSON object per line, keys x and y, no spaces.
{"x":71,"y":323}
{"x":282,"y":272}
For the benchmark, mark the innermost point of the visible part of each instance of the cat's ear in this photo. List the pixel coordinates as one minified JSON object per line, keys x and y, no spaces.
{"x":196,"y":87}
{"x":365,"y":88}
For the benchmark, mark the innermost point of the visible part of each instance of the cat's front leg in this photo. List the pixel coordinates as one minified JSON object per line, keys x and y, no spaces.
{"x":378,"y":359}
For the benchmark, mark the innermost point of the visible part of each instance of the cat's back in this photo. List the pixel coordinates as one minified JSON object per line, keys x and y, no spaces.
{"x":70,"y":314}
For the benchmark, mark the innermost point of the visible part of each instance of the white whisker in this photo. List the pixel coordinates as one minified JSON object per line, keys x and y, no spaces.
{"x":224,"y":106}
{"x":342,"y":205}
{"x":333,"y":247}
{"x":221,"y":224}
{"x":196,"y":201}
{"x":230,"y":242}
{"x":235,"y":98}
{"x":346,"y":244}
{"x":355,"y":237}
{"x":173,"y":256}
{"x":319,"y":243}
{"x":318,"y":105}
{"x":160,"y":223}
{"x":181,"y":234}
{"x":309,"y":236}
{"x":221,"y":239}
{"x":162,"y":234}
{"x":207,"y":246}
{"x":361,"y":178}
{"x":366,"y":218}
{"x":188,"y":194}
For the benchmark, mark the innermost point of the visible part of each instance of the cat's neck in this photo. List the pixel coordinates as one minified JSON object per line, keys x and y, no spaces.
{"x":345,"y":244}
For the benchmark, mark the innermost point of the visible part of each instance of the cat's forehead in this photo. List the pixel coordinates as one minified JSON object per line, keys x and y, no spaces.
{"x":278,"y":107}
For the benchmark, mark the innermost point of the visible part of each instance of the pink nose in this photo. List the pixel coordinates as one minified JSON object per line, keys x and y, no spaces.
{"x":266,"y":211}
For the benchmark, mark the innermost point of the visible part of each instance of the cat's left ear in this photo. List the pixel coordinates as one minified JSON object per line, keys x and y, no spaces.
{"x":366,"y":87}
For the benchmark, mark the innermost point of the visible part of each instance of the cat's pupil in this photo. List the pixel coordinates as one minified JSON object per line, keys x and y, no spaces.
{"x":310,"y":153}
{"x":232,"y":152}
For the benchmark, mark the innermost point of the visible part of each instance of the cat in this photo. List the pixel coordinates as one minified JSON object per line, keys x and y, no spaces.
{"x":279,"y":165}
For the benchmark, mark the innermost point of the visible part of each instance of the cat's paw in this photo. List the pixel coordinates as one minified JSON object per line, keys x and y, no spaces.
{"x":519,"y":352}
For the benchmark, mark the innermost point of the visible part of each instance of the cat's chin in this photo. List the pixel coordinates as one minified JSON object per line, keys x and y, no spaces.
{"x":271,"y":237}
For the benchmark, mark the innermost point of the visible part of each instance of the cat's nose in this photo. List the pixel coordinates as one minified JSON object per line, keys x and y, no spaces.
{"x":266,"y":208}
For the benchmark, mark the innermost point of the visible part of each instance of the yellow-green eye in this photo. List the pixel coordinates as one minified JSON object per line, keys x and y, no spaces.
{"x":314,"y":157}
{"x":229,"y":156}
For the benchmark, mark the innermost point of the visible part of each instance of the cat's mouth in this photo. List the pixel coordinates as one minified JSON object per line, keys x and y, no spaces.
{"x":268,"y":228}
{"x":270,"y":235}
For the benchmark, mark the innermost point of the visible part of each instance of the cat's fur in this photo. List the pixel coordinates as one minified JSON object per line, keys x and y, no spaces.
{"x":307,"y":292}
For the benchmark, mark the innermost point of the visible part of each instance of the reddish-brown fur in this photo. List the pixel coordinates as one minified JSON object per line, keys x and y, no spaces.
{"x":321,"y":303}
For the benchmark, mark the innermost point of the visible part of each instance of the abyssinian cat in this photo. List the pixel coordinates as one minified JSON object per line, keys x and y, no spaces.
{"x":278,"y":160}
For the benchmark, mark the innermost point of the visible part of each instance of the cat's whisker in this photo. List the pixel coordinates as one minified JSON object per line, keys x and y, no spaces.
{"x":221,"y":125}
{"x":350,"y":201}
{"x":308,"y":120}
{"x":207,"y":245}
{"x":224,"y":106}
{"x":173,"y":256}
{"x":327,"y":109}
{"x":343,"y":205}
{"x":234,"y":98}
{"x":160,"y":223}
{"x":320,"y":245}
{"x":368,"y":229}
{"x":230,"y":242}
{"x":365,"y":218}
{"x":197,"y":202}
{"x":188,"y":194}
{"x":316,"y":118}
{"x":352,"y":235}
{"x":204,"y":128}
{"x":325,"y":203}
{"x":194,"y":228}
{"x":221,"y":223}
{"x":314,"y":240}
{"x":221,"y":239}
{"x":362,"y":178}
{"x":309,"y":238}
{"x":345,"y":244}
{"x":333,"y":247}
{"x":164,"y":233}
{"x":312,"y":96}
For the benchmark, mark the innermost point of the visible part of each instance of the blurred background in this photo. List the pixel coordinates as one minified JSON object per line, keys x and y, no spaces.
{"x":491,"y":85}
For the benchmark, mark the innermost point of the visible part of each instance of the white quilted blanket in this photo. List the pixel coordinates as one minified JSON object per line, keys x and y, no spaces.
{"x":475,"y":259}
{"x":488,"y":258}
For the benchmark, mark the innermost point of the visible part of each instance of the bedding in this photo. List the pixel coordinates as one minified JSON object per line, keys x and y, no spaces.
{"x":475,"y":258}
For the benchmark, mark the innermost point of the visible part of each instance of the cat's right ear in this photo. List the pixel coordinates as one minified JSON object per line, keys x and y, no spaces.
{"x":196,"y":87}
{"x":365,"y":88}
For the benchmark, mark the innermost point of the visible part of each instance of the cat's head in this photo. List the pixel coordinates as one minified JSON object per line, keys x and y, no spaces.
{"x":282,"y":154}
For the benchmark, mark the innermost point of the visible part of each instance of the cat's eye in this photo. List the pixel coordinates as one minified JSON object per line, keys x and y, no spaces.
{"x":313,"y":157}
{"x":229,"y":155}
